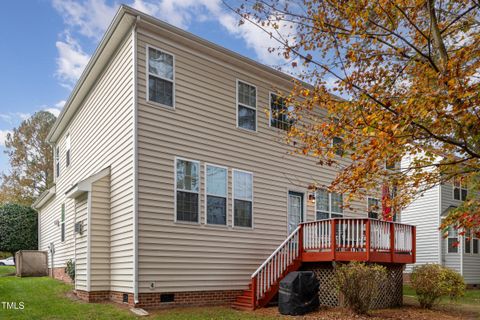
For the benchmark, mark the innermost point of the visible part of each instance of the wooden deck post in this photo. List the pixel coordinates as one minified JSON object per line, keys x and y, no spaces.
{"x":392,"y":241}
{"x":300,"y":242}
{"x":333,"y":238}
{"x":367,"y":239}
{"x":414,"y":244}
{"x":254,"y":292}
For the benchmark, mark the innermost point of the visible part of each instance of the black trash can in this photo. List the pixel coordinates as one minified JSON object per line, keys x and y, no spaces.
{"x":298,"y":293}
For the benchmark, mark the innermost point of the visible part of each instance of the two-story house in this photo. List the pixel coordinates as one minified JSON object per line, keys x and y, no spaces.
{"x":457,"y":250}
{"x":174,"y":187}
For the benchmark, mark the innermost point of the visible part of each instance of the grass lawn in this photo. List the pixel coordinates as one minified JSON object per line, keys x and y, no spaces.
{"x":472,"y":297}
{"x":45,"y":298}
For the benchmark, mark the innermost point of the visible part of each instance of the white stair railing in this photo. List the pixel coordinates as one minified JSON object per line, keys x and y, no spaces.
{"x":273,"y":268}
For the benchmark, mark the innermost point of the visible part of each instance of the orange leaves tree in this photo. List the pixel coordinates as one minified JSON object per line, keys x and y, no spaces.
{"x":395,"y":80}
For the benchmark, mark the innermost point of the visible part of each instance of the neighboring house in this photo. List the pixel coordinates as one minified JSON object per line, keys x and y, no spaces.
{"x":461,"y":253}
{"x":172,"y":185}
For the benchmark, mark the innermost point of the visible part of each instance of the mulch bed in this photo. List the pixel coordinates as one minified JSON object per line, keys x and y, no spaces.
{"x":410,"y":312}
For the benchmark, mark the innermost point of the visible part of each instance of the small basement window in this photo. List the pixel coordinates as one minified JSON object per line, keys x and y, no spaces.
{"x":167,"y":297}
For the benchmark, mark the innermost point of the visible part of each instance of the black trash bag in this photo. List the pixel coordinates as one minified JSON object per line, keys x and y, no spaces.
{"x":298,"y":293}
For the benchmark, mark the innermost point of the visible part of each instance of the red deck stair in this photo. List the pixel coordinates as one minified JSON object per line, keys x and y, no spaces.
{"x":352,"y":240}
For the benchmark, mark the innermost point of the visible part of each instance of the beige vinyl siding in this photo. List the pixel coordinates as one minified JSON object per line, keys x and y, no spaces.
{"x":100,"y":236}
{"x":81,"y":204}
{"x":101,"y":134}
{"x":451,"y":260}
{"x":202,"y":127}
{"x":471,"y":268}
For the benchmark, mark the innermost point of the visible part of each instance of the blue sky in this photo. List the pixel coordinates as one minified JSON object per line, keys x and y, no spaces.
{"x":46,"y":44}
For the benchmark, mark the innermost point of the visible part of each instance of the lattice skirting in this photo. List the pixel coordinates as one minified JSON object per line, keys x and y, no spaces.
{"x":391,"y":290}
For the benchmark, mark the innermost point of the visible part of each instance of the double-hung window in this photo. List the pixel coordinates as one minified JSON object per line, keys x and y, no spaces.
{"x":187,"y":190}
{"x":452,"y":240}
{"x":62,"y":224}
{"x":328,"y":205}
{"x":471,"y":242}
{"x":459,"y":190}
{"x":247,"y":106}
{"x":337,"y":145}
{"x":280,"y":113}
{"x":67,"y":152}
{"x":373,"y":208}
{"x":217,"y":188}
{"x":161,"y":77}
{"x":57,"y":161}
{"x":242,"y":199}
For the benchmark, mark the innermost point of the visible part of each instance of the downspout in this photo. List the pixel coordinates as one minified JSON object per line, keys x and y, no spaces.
{"x":135,"y":166}
{"x":89,"y":239}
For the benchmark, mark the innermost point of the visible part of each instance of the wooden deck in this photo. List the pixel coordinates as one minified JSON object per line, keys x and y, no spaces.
{"x":365,"y":240}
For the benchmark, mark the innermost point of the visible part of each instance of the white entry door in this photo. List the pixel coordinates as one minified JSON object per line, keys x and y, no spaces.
{"x":295,"y":210}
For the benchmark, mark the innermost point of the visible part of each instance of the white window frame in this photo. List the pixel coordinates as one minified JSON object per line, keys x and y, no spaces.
{"x":329,"y":205}
{"x":379,"y":207}
{"x":207,"y":194}
{"x":270,"y":93}
{"x":233,"y":198}
{"x":147,"y":72}
{"x":68,"y":152}
{"x":175,"y":190}
{"x":458,"y":241}
{"x":246,"y":106}
{"x":460,"y":188}
{"x":57,"y":161}
{"x":472,"y":243}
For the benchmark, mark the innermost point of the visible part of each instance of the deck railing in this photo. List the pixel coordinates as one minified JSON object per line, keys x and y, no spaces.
{"x":340,"y":239}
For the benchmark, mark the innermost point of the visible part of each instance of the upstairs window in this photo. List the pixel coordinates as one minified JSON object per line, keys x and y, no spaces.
{"x":373,"y":208}
{"x":452,"y":240}
{"x":62,"y":224}
{"x":459,"y":190}
{"x":216,"y":203}
{"x":67,"y":153}
{"x":161,"y":77}
{"x":242,"y":199}
{"x":337,"y":145}
{"x":328,"y":205}
{"x":187,"y":190}
{"x":280,"y":113}
{"x":247,"y":106}
{"x":57,"y":162}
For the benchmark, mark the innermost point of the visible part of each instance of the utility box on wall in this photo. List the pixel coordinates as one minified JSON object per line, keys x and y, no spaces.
{"x":31,"y":263}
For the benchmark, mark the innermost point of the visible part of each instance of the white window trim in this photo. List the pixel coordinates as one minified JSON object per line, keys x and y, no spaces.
{"x":472,"y":237}
{"x":459,"y":240}
{"x":207,"y":194}
{"x":57,"y":161}
{"x":379,"y":206}
{"x":246,"y":106}
{"x":175,"y":190}
{"x":147,"y":73}
{"x":329,"y":205}
{"x":270,"y":93}
{"x":68,"y":148}
{"x":233,"y":199}
{"x":461,"y":188}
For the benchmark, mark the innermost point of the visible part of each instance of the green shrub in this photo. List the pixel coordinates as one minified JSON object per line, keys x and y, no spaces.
{"x":18,"y":228}
{"x":433,"y":281}
{"x":359,"y":283}
{"x":70,"y":269}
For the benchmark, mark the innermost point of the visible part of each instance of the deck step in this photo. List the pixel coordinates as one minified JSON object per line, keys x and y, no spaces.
{"x":242,"y":306}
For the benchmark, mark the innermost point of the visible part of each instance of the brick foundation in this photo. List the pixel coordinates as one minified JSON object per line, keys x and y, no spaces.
{"x":152,"y":299}
{"x":60,"y":274}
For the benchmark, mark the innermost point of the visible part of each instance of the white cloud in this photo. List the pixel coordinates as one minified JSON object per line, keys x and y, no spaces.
{"x":60,"y":104}
{"x":71,"y":60}
{"x":3,"y":137}
{"x":54,"y":111}
{"x":90,"y":17}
